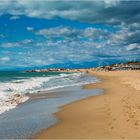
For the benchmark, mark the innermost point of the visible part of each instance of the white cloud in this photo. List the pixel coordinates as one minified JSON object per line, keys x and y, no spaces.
{"x":132,"y":47}
{"x":59,"y":32}
{"x":14,"y":17}
{"x":9,"y":44}
{"x":27,"y":41}
{"x":76,"y":45}
{"x":110,"y":3}
{"x":5,"y":59}
{"x":70,"y":34}
{"x":94,"y":33}
{"x":30,"y":28}
{"x":126,"y":35}
{"x":16,"y":44}
{"x":40,"y":62}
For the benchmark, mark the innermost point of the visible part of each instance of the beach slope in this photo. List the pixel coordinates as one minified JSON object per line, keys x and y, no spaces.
{"x":114,"y":114}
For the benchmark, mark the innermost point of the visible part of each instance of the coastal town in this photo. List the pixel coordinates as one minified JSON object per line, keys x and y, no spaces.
{"x":133,"y":65}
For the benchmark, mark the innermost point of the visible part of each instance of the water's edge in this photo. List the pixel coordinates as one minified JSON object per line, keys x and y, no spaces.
{"x":36,"y":114}
{"x":22,"y":86}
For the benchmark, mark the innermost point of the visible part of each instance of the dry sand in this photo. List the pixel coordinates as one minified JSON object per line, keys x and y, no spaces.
{"x":115,"y":114}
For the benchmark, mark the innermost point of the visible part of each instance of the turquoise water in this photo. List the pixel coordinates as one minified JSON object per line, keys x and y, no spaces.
{"x":26,"y":83}
{"x":22,"y":121}
{"x":15,"y":75}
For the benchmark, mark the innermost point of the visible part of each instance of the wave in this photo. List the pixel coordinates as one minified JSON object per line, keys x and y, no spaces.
{"x":15,"y":91}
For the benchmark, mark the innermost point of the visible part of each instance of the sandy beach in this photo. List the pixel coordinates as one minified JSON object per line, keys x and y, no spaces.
{"x":114,"y":114}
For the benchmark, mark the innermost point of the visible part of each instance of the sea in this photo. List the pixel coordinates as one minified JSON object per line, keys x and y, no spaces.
{"x":26,"y":84}
{"x":41,"y":95}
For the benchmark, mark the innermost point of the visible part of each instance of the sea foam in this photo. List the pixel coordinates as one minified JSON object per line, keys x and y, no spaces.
{"x":16,"y":91}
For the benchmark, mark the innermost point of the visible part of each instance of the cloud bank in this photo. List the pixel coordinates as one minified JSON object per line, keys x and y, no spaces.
{"x":71,"y":44}
{"x":105,"y":11}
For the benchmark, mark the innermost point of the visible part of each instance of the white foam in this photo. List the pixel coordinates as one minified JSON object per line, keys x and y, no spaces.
{"x":75,"y":84}
{"x":21,"y":87}
{"x":8,"y":90}
{"x":11,"y":103}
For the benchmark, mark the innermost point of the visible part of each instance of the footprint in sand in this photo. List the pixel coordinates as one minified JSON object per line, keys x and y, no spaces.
{"x":106,"y":105}
{"x":131,"y":116}
{"x":112,"y":127}
{"x":122,"y":137}
{"x":110,"y":124}
{"x":108,"y":113}
{"x":127,"y":112}
{"x":108,"y":109}
{"x":124,"y":101}
{"x":127,"y":120}
{"x":138,"y":106}
{"x":114,"y":119}
{"x":137,"y":122}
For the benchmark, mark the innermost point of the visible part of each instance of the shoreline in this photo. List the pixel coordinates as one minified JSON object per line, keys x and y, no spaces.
{"x":114,"y":114}
{"x":18,"y":96}
{"x":39,"y":110}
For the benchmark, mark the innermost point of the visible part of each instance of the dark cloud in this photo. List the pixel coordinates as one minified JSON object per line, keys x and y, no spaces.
{"x":114,"y":12}
{"x":106,"y":11}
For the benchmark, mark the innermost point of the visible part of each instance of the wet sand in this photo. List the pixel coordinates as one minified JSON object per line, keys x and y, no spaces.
{"x":115,"y":114}
{"x":37,"y":113}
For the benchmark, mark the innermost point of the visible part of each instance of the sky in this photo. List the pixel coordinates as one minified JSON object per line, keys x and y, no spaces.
{"x":69,"y":34}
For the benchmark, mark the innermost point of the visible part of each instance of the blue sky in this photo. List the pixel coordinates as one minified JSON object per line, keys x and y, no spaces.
{"x":70,"y":34}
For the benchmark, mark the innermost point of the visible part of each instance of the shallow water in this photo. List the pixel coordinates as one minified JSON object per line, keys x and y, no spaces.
{"x":24,"y":84}
{"x":32,"y":116}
